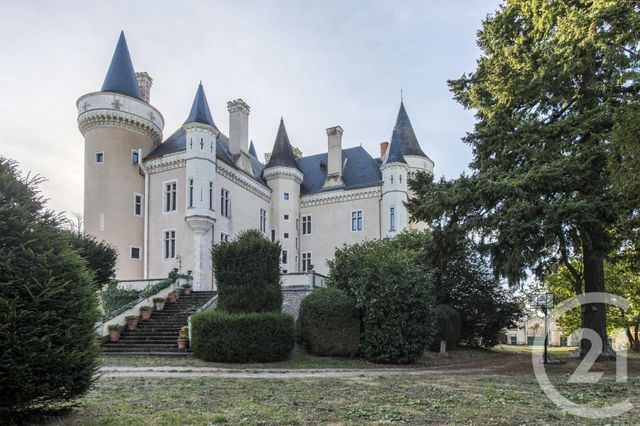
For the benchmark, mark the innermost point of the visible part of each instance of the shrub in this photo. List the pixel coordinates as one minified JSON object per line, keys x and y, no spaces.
{"x":115,"y":327}
{"x":249,"y":337}
{"x":328,"y":323}
{"x":247,"y":273}
{"x":393,"y":294}
{"x":145,"y":308}
{"x":448,"y":327}
{"x":48,"y":305}
{"x":100,"y":256}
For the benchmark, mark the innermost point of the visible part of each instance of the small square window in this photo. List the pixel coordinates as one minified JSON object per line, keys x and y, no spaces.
{"x":286,"y":217}
{"x":286,"y":235}
{"x":135,"y":252}
{"x":285,"y":196}
{"x":99,"y":157}
{"x":135,"y":156}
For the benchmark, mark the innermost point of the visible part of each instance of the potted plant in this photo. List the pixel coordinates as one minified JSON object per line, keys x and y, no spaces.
{"x":145,"y":312}
{"x":114,"y":332}
{"x":186,"y":288}
{"x":132,"y":322}
{"x":173,"y":297}
{"x":184,"y":332}
{"x":183,"y":342}
{"x":159,"y":303}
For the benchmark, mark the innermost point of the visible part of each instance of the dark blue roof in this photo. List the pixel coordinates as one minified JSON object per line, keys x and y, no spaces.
{"x":200,"y":112}
{"x":121,"y":77}
{"x":282,"y":153}
{"x":360,"y":170}
{"x":394,"y":152}
{"x":252,"y":150}
{"x":406,"y":135}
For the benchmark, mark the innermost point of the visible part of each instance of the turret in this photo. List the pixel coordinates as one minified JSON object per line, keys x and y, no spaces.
{"x":411,"y":150}
{"x":284,"y":178}
{"x":119,"y":129}
{"x":395,"y":172}
{"x":200,"y":137}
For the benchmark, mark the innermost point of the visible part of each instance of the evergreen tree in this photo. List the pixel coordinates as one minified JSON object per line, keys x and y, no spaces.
{"x":552,"y":81}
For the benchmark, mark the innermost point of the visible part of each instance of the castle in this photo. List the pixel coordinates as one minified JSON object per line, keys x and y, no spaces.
{"x":163,"y":204}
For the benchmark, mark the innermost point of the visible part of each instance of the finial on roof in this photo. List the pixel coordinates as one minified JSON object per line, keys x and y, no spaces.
{"x":401,"y":99}
{"x":121,"y":77}
{"x":200,"y":112}
{"x":282,"y":153}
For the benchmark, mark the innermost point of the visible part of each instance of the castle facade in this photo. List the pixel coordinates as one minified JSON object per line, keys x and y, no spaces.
{"x":164,"y":201}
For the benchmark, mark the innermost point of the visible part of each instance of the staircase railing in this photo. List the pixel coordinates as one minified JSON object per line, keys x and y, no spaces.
{"x":204,"y":307}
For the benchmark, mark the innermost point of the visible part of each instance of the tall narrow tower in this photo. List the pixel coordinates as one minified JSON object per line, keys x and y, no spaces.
{"x":395,"y":172}
{"x":119,"y":129}
{"x":200,"y":136}
{"x":284,"y":178}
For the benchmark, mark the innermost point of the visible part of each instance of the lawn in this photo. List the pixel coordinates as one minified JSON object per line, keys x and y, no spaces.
{"x":501,"y":390}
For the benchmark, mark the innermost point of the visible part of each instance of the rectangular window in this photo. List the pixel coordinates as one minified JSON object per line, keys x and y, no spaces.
{"x":356,"y":220}
{"x":135,"y":252}
{"x":392,"y":219}
{"x":306,"y":225}
{"x":210,"y":195}
{"x":190,"y":193}
{"x":286,"y":235}
{"x":225,"y":203}
{"x":137,"y":204}
{"x":135,"y":156}
{"x":285,"y":196}
{"x":286,"y":217}
{"x":297,"y":243}
{"x":306,"y":262}
{"x":170,"y":196}
{"x":284,"y":257}
{"x":169,"y":244}
{"x":273,"y":235}
{"x":99,"y":157}
{"x":224,"y":237}
{"x":263,"y":220}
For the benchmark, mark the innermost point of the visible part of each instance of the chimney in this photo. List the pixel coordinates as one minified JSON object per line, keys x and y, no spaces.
{"x":238,"y":126}
{"x":334,"y":157}
{"x":383,"y":148}
{"x":144,"y":84}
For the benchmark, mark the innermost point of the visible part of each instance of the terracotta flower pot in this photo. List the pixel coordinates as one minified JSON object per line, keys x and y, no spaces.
{"x":114,"y":336}
{"x":145,"y":314}
{"x":132,"y":324}
{"x":187,"y":291}
{"x":173,"y":297}
{"x":182,"y":344}
{"x":159,"y":306}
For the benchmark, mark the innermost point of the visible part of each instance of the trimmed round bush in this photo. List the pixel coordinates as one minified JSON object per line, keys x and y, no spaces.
{"x":247,"y":337}
{"x":328,"y":323}
{"x":48,"y":305}
{"x":393,"y":295}
{"x":448,"y":327}
{"x":247,"y":272}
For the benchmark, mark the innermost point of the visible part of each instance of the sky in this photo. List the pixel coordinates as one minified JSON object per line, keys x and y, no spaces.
{"x":316,"y":63}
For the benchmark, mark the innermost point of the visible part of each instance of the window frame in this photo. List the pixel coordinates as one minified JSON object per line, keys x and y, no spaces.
{"x":131,"y":248}
{"x":284,"y":257}
{"x":166,"y":247}
{"x":305,"y":263}
{"x":355,"y":220}
{"x":95,"y":157}
{"x":135,"y":157}
{"x":135,"y":204}
{"x":308,"y":222}
{"x":225,"y":203}
{"x":170,"y":196}
{"x":392,"y":218}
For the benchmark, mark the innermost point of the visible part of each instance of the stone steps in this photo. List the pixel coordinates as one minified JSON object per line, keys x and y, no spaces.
{"x":159,"y":334}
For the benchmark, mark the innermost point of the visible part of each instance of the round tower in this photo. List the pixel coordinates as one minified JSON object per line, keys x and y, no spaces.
{"x":284,"y":178}
{"x":119,"y":130}
{"x":395,"y":172}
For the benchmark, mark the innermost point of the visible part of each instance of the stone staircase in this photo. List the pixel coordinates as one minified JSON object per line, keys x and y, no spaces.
{"x":159,"y":334}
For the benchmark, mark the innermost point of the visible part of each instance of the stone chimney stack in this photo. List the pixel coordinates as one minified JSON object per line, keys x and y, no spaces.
{"x":238,"y":126}
{"x":383,"y":148}
{"x":334,"y":157}
{"x":144,"y":84}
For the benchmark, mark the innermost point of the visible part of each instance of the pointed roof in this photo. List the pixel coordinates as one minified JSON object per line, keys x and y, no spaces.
{"x":121,"y":77}
{"x":200,"y":112}
{"x":406,"y":135}
{"x":252,"y":150}
{"x":282,"y":154}
{"x":394,"y":152}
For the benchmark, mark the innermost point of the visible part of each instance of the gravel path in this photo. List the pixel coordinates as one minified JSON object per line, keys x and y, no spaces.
{"x":227,"y":373}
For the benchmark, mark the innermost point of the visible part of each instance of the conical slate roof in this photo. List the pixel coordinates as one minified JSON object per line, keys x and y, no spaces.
{"x":282,"y":154}
{"x":252,"y":150}
{"x":406,"y":135}
{"x":200,"y":112}
{"x":121,"y":77}
{"x":394,"y":152}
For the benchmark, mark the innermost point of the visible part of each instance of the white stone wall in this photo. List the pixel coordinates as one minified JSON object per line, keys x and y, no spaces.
{"x":394,"y":195}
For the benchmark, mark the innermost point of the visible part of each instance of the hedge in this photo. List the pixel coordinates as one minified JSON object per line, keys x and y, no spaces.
{"x":448,"y":327}
{"x":247,"y":273}
{"x":393,"y":294}
{"x":328,"y":323}
{"x":239,"y":338}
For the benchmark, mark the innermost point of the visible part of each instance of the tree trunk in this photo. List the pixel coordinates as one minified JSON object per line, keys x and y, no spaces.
{"x":594,"y":316}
